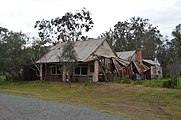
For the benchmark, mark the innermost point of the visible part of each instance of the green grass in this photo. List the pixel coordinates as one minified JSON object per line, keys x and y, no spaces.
{"x":179,"y":82}
{"x":132,"y":101}
{"x":158,"y":83}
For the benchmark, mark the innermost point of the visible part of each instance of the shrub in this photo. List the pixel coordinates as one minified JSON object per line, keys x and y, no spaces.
{"x":117,"y":80}
{"x":138,"y":82}
{"x":125,"y":80}
{"x":167,"y":84}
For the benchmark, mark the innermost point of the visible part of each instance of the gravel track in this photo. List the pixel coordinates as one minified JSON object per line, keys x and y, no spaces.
{"x":22,"y":108}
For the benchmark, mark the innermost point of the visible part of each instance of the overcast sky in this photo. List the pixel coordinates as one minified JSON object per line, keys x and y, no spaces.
{"x":20,"y":15}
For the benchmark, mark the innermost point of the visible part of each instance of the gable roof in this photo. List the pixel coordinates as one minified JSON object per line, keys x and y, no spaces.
{"x":84,"y":49}
{"x":126,"y":55}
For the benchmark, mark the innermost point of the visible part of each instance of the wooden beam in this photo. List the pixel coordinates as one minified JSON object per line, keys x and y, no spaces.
{"x":96,"y":71}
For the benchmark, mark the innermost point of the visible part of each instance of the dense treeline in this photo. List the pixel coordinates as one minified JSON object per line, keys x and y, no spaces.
{"x":16,"y":54}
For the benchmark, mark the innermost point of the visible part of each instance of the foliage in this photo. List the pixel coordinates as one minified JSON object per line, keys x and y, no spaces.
{"x":167,"y":84}
{"x":69,"y":54}
{"x":138,"y":82}
{"x":117,"y":80}
{"x":133,"y":34}
{"x":68,"y":27}
{"x":88,"y":84}
{"x":34,"y":53}
{"x":125,"y":80}
{"x":177,"y":37}
{"x":12,"y":54}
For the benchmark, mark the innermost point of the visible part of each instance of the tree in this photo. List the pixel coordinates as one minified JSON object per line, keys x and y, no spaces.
{"x":68,"y":29}
{"x":34,"y":53}
{"x":177,"y":37}
{"x":136,"y":33}
{"x":175,"y":64}
{"x":12,"y":60}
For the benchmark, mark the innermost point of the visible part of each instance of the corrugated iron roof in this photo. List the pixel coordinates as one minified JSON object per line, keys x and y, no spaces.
{"x":141,"y":67}
{"x":126,"y":55}
{"x":122,"y":61}
{"x":83,"y":49}
{"x":150,"y":62}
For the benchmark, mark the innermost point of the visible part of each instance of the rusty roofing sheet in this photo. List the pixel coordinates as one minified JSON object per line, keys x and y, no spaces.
{"x":126,"y":55}
{"x":141,"y":67}
{"x":122,"y":61}
{"x":83,"y":49}
{"x":150,"y":62}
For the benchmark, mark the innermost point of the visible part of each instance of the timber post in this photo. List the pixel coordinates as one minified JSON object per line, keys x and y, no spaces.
{"x":96,"y":71}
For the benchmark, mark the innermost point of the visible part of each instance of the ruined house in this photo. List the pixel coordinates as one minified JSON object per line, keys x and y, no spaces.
{"x":94,"y":62}
{"x":137,"y":67}
{"x":97,"y":61}
{"x":155,"y":70}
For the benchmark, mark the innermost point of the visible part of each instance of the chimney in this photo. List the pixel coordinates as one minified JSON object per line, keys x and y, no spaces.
{"x":139,"y":55}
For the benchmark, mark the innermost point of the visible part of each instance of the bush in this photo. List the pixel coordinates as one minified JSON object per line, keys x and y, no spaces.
{"x":125,"y":80}
{"x":167,"y":84}
{"x":117,"y":80}
{"x":138,"y":82}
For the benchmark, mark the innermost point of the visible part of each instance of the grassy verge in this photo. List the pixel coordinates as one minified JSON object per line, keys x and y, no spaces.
{"x":132,"y":101}
{"x":163,"y":83}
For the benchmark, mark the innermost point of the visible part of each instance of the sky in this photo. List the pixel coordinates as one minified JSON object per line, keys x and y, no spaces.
{"x":21,"y":15}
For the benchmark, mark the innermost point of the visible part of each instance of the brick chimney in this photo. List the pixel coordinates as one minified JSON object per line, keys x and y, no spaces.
{"x":139,"y":55}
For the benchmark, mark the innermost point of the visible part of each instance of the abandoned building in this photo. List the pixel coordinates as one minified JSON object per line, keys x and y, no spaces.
{"x":94,"y":62}
{"x":97,"y":61}
{"x":137,"y":67}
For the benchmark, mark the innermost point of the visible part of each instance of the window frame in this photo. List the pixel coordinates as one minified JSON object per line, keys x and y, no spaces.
{"x":56,"y":70}
{"x":80,"y":69}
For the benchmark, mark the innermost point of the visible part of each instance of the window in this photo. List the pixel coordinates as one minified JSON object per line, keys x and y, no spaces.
{"x":59,"y":70}
{"x":53,"y":70}
{"x":84,"y":70}
{"x":77,"y":70}
{"x":56,"y":70}
{"x":81,"y":70}
{"x":91,"y":68}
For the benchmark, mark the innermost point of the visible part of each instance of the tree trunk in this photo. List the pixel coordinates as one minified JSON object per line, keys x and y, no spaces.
{"x":174,"y":80}
{"x":41,"y":72}
{"x":64,"y":74}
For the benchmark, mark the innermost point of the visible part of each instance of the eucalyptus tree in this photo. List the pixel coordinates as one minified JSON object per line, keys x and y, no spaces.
{"x":176,"y":60}
{"x":177,"y":37}
{"x":136,"y":33}
{"x":67,"y":29}
{"x":12,"y":60}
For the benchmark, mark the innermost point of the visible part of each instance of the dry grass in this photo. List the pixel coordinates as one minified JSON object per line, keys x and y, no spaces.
{"x":131,"y":101}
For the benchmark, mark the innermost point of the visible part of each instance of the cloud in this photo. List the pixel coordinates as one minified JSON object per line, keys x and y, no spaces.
{"x":22,"y":14}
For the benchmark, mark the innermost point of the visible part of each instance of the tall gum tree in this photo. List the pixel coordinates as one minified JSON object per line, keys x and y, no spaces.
{"x":68,"y":29}
{"x":135,"y":33}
